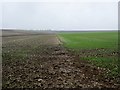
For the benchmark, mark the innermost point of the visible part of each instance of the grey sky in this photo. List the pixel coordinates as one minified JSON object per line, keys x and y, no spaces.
{"x":60,"y":15}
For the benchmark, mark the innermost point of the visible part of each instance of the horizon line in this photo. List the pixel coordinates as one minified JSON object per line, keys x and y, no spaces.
{"x":60,"y":29}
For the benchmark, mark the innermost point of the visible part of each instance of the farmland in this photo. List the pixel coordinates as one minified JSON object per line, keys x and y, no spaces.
{"x":90,"y":40}
{"x":101,"y":48}
{"x":50,"y":60}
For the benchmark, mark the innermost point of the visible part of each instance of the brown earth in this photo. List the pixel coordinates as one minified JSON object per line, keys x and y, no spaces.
{"x":42,"y":62}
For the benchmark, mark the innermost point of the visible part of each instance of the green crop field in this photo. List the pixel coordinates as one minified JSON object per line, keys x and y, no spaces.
{"x":100,"y":48}
{"x":89,"y":40}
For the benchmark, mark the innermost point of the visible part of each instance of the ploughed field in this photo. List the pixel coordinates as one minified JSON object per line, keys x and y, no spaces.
{"x":43,"y":61}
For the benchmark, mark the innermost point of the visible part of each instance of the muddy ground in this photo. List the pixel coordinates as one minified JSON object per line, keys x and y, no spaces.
{"x":40,"y":61}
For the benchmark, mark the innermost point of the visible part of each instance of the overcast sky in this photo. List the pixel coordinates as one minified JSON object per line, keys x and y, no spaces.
{"x":62,"y":15}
